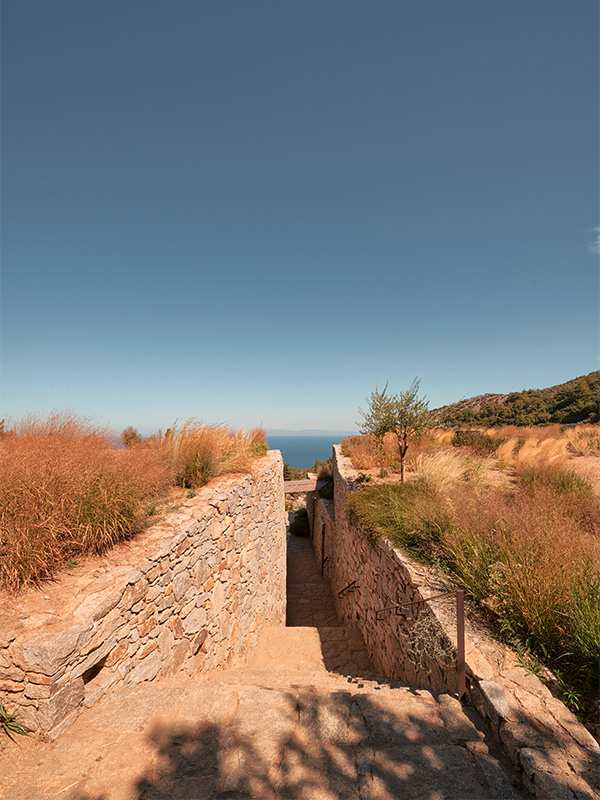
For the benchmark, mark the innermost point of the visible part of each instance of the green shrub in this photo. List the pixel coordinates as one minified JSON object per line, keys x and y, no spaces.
{"x":299,"y":526}
{"x":477,"y":442}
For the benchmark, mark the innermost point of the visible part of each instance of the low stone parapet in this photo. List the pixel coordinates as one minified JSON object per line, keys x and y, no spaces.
{"x":191,"y":593}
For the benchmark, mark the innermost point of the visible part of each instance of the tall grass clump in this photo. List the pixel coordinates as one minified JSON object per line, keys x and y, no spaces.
{"x":446,"y":468}
{"x":361,"y":450}
{"x":195,"y":453}
{"x":584,"y":440}
{"x":64,"y":490}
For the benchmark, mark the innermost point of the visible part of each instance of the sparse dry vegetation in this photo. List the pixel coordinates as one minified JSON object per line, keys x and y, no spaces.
{"x":526,"y":548}
{"x":65,"y":490}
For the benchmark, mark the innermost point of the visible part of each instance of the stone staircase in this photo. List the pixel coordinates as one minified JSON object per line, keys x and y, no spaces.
{"x":305,"y":719}
{"x":322,"y":725}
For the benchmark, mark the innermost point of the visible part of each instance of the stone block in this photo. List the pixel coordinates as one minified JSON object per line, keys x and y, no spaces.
{"x":133,"y":593}
{"x":202,"y":572}
{"x":495,"y":701}
{"x":176,"y":625}
{"x":178,"y":657}
{"x":12,"y":673}
{"x":47,"y":654}
{"x":517,"y":735}
{"x":194,"y":621}
{"x":107,"y":605}
{"x":94,"y":657}
{"x":27,"y":717}
{"x":97,"y":688}
{"x":147,"y":669}
{"x":199,"y":640}
{"x":180,"y":585}
{"x":52,"y":711}
{"x":571,"y":724}
{"x":166,"y":640}
{"x":458,"y":725}
{"x":146,"y":626}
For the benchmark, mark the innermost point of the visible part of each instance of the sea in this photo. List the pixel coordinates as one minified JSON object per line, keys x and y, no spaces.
{"x":301,"y":451}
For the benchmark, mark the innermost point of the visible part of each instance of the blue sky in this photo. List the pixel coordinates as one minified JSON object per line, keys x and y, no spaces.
{"x":254,"y":212}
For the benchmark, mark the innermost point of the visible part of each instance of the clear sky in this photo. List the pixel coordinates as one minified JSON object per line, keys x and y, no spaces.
{"x":254,"y":212}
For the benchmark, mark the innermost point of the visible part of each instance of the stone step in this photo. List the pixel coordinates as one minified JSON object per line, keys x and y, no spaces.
{"x":208,"y":739}
{"x":286,"y":679}
{"x":333,"y":649}
{"x":310,"y":742}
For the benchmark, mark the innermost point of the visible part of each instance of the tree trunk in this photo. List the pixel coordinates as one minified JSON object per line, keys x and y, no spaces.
{"x":403,"y":447}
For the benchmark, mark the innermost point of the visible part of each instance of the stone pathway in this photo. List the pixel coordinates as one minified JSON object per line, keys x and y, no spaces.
{"x":309,"y":601}
{"x":305,"y":719}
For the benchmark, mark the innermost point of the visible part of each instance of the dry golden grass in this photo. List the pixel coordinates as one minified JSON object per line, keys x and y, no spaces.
{"x":446,"y":468}
{"x":196,"y":453}
{"x":584,"y":440}
{"x":548,"y":455}
{"x":529,"y":552}
{"x":361,"y":451}
{"x":66,"y":491}
{"x":368,"y":453}
{"x":540,"y":432}
{"x":441,"y":436}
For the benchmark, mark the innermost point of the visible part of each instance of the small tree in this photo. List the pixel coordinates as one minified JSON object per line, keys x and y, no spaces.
{"x":130,"y":437}
{"x":405,"y":415}
{"x":379,"y":418}
{"x":412,"y":415}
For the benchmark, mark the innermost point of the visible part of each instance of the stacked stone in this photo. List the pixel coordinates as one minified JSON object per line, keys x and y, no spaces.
{"x":557,"y":757}
{"x":191,"y":593}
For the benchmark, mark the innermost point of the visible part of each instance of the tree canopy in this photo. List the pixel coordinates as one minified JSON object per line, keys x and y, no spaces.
{"x":405,"y":415}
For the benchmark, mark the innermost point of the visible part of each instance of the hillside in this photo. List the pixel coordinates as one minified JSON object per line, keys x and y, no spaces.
{"x":577,"y":400}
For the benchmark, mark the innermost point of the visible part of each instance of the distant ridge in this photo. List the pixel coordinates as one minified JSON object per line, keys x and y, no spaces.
{"x":576,"y":400}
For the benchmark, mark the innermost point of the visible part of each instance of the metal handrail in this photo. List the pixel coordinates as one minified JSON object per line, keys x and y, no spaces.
{"x":460,"y":631}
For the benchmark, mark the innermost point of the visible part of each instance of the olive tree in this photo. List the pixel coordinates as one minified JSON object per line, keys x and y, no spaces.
{"x":405,"y":415}
{"x":412,"y":415}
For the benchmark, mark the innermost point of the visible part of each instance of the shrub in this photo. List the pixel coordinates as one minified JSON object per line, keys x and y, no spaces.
{"x":299,"y":525}
{"x":477,"y":442}
{"x":9,"y":724}
{"x":130,"y":437}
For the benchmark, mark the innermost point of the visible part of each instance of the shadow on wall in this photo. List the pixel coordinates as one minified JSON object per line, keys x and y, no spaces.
{"x":307,"y":744}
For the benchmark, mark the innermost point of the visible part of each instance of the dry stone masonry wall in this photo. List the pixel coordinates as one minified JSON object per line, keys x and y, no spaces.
{"x":191,"y":593}
{"x":558,"y":758}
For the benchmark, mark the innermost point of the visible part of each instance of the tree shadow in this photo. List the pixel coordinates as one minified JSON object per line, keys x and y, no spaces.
{"x":314,"y":744}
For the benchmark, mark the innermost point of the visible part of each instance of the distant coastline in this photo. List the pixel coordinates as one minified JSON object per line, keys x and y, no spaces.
{"x":301,"y":450}
{"x":309,"y":432}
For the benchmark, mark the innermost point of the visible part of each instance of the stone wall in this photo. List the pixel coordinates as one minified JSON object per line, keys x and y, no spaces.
{"x":191,"y":593}
{"x":557,"y":756}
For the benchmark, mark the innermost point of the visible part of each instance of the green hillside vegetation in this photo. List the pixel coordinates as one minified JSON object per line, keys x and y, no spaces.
{"x":573,"y":402}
